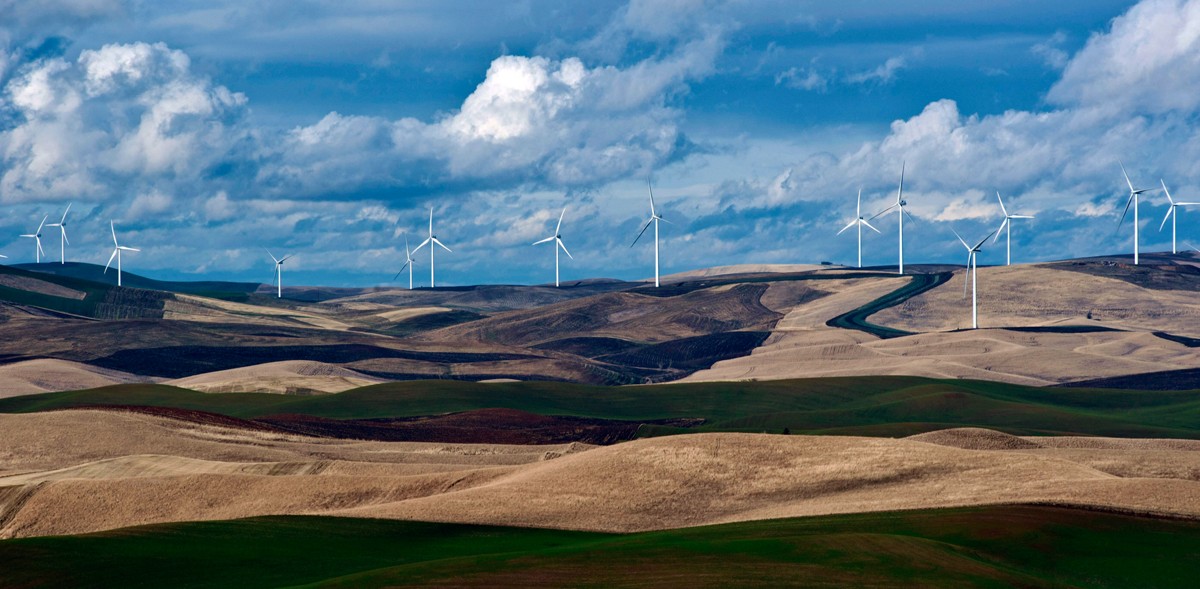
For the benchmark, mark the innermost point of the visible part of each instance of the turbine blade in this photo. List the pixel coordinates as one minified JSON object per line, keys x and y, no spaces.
{"x":285,"y":258}
{"x":1001,"y":203}
{"x":1168,"y":192}
{"x":651,"y":189}
{"x":407,"y":253}
{"x":900,"y":190}
{"x":848,"y":225}
{"x":437,"y":241}
{"x":1128,"y":203}
{"x":564,"y":248}
{"x":273,"y":258}
{"x":400,"y":272}
{"x":639,"y":235}
{"x":558,"y":228}
{"x":418,"y":248}
{"x":114,"y":232}
{"x":110,"y":259}
{"x":1127,"y":180}
{"x":39,"y":247}
{"x":984,"y":240}
{"x":872,"y":227}
{"x":910,"y":217}
{"x":64,"y":217}
{"x":1000,"y":230}
{"x":967,"y":274}
{"x":64,"y":234}
{"x":883,"y":211}
{"x":1170,"y":211}
{"x":858,"y":208}
{"x":1020,"y":216}
{"x":42,"y":223}
{"x":539,"y":242}
{"x":129,"y":249}
{"x":960,"y":239}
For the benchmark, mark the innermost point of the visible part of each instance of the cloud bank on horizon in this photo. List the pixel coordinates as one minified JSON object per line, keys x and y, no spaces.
{"x":758,"y":130}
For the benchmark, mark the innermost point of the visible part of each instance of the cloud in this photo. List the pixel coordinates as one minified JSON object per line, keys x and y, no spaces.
{"x":803,"y":79}
{"x":884,"y":74}
{"x":1149,"y":62}
{"x":1051,"y":51}
{"x":122,"y":115}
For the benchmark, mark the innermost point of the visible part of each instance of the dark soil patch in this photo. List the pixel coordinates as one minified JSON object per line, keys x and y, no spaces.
{"x":589,"y":347}
{"x":1187,"y":379}
{"x":1190,"y":342}
{"x":1062,"y":329}
{"x":1156,"y":272}
{"x":692,"y":353}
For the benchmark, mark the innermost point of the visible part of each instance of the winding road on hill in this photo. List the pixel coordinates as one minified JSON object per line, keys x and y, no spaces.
{"x":857,"y":318}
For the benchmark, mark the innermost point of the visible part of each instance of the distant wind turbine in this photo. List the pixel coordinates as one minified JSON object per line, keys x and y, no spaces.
{"x":408,"y":263}
{"x":117,"y":249}
{"x":1006,"y":226}
{"x":860,"y":221}
{"x":654,"y":218}
{"x":899,"y":204}
{"x":1133,"y":199}
{"x":558,"y":244}
{"x":62,"y":227}
{"x":432,"y":239}
{"x":38,"y":252}
{"x":973,"y":274}
{"x":1171,"y":214}
{"x":278,"y":273}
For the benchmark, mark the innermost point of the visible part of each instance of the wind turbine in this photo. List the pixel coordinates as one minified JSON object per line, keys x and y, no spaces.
{"x":408,"y":263}
{"x":973,"y":274}
{"x":654,"y":218}
{"x":558,"y":243}
{"x":1171,"y":213}
{"x":899,"y":204}
{"x":860,"y":221}
{"x":1133,"y":199}
{"x":117,"y":249}
{"x":62,"y":227}
{"x":38,"y":252}
{"x":432,"y":239}
{"x":278,"y":273}
{"x":1007,"y":224}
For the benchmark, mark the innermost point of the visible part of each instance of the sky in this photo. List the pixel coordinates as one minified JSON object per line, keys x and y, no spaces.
{"x":208,"y":131}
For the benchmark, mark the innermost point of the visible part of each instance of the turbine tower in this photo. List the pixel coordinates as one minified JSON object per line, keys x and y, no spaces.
{"x":38,"y":252}
{"x":62,"y":227}
{"x":973,"y":274}
{"x":654,"y":218}
{"x":117,"y":249}
{"x":1133,"y":199}
{"x":1006,"y":226}
{"x":408,"y":263}
{"x":1171,"y":213}
{"x":558,"y":244}
{"x":432,"y":239}
{"x":899,"y":204}
{"x":860,"y":221}
{"x":278,"y":273}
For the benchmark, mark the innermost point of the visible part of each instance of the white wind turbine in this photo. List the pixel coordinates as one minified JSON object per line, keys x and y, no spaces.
{"x":408,"y":263}
{"x":38,"y":252}
{"x":558,"y":243}
{"x":62,"y":227}
{"x":1006,"y":226}
{"x":860,"y":221}
{"x":117,"y":249}
{"x":1133,"y":199}
{"x":899,"y":204}
{"x":278,"y":273}
{"x":1171,"y":213}
{"x":654,"y":218}
{"x":973,"y":274}
{"x":432,"y":239}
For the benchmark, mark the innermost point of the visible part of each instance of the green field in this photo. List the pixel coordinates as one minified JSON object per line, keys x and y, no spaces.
{"x":885,"y":406}
{"x":1002,"y":546}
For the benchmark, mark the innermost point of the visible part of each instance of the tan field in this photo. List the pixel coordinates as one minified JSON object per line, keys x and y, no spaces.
{"x":1045,"y":294}
{"x":290,"y":377}
{"x":81,"y":470}
{"x":801,"y":345}
{"x":47,"y":375}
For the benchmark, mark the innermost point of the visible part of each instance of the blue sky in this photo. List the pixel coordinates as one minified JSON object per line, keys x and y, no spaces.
{"x":210,"y":130}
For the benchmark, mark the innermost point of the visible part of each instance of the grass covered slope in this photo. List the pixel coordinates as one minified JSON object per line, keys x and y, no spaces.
{"x":890,"y":406}
{"x":1000,"y":546}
